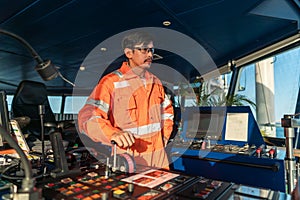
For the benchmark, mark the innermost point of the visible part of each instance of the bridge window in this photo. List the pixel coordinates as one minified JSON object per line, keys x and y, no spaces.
{"x":273,"y":84}
{"x":74,"y":103}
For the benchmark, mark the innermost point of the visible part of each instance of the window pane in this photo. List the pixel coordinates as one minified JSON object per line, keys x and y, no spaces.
{"x":55,"y":103}
{"x":212,"y":92}
{"x":74,"y":104}
{"x":9,"y":99}
{"x":273,"y":84}
{"x":209,"y":92}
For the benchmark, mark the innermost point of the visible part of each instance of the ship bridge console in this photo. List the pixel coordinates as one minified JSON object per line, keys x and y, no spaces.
{"x":225,"y":143}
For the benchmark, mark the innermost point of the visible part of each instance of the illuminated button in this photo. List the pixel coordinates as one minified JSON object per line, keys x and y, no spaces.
{"x":68,"y":193}
{"x":80,"y":196}
{"x":204,"y":192}
{"x":66,"y":180}
{"x":115,"y":188}
{"x":209,"y":189}
{"x":71,"y":187}
{"x":78,"y":185}
{"x":85,"y":187}
{"x":108,"y":187}
{"x":61,"y":189}
{"x":96,"y":196}
{"x":95,"y":191}
{"x":216,"y":184}
{"x":87,"y":198}
{"x":91,"y":181}
{"x":202,"y":196}
{"x":97,"y":184}
{"x":166,"y":187}
{"x":119,"y":193}
{"x":50,"y":185}
{"x":92,"y":174}
{"x":77,"y":190}
{"x":122,"y":186}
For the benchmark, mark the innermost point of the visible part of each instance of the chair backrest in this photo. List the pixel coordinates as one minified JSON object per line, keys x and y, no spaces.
{"x":29,"y":95}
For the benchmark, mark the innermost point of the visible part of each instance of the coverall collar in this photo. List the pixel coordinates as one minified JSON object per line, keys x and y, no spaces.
{"x":129,"y":74}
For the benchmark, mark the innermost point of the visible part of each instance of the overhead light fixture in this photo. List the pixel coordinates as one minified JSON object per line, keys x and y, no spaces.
{"x":166,"y":23}
{"x":46,"y":69}
{"x":82,"y":68}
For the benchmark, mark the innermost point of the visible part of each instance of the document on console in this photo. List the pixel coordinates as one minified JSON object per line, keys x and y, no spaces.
{"x":237,"y":127}
{"x":150,"y":178}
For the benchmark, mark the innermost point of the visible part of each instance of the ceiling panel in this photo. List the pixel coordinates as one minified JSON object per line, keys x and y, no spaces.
{"x":66,"y":32}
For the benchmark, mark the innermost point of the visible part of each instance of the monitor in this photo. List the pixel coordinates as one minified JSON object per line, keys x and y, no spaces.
{"x":4,"y":115}
{"x":206,"y":123}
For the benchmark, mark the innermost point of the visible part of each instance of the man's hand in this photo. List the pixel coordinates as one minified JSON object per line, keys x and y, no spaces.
{"x":123,"y":139}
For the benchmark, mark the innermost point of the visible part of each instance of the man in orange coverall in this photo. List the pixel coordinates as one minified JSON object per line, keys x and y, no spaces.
{"x":130,"y":107}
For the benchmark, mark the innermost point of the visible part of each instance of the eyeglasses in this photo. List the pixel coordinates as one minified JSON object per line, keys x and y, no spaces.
{"x":145,"y":49}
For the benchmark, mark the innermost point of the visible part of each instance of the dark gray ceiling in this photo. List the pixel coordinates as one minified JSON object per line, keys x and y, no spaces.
{"x":67,"y":31}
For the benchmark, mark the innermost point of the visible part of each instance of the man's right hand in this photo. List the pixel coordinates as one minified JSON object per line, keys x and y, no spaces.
{"x":123,"y":139}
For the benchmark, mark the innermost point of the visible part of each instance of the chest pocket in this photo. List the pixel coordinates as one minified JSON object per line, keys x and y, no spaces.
{"x":125,"y":108}
{"x":155,"y":109}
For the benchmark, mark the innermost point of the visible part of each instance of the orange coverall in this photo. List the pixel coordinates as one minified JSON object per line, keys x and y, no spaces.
{"x":122,"y":101}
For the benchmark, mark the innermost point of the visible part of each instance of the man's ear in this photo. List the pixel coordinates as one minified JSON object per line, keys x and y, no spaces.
{"x":128,"y":52}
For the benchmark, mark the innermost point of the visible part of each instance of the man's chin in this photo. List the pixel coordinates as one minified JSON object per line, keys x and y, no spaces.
{"x":146,"y":65}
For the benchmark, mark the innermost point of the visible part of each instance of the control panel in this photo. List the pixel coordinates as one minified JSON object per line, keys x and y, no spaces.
{"x":150,"y":184}
{"x":226,"y":144}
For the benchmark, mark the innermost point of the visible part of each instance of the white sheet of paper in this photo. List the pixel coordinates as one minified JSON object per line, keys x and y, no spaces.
{"x":237,"y":127}
{"x":150,"y":178}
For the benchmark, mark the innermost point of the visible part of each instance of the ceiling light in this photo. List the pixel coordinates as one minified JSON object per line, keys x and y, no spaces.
{"x":166,"y":23}
{"x":82,"y":68}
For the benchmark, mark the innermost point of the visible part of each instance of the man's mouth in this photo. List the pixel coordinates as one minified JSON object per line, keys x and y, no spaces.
{"x":148,"y":61}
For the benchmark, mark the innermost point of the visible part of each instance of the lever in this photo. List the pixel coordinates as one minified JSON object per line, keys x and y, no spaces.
{"x":273,"y":152}
{"x":114,"y":167}
{"x":107,"y":168}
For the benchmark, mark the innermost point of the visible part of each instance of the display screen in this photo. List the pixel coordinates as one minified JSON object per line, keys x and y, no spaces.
{"x":204,"y":125}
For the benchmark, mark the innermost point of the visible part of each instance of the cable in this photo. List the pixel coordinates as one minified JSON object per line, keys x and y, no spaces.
{"x":28,"y":182}
{"x":26,"y":44}
{"x":63,"y":78}
{"x":5,"y":173}
{"x":46,"y":69}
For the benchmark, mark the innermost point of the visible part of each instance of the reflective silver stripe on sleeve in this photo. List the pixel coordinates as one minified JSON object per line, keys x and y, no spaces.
{"x":142,"y":130}
{"x":166,"y":116}
{"x":95,"y":117}
{"x":166,"y":102}
{"x":118,"y":73}
{"x":91,"y":118}
{"x":99,"y":104}
{"x":121,"y":84}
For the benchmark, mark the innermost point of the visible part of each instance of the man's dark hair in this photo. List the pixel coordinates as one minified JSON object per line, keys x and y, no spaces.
{"x":136,"y":38}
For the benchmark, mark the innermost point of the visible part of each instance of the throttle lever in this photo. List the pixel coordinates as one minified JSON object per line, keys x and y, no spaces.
{"x":114,"y":167}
